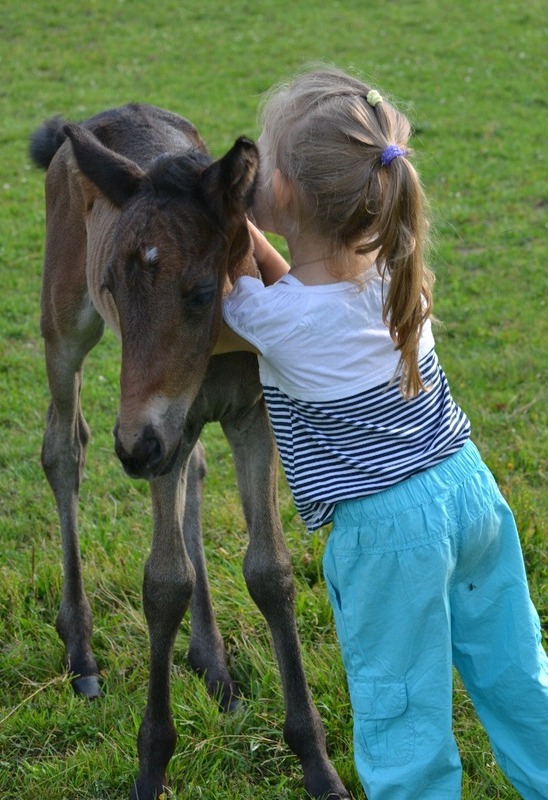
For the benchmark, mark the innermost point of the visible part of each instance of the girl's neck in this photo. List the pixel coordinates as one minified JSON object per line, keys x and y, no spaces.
{"x":313,"y":273}
{"x":313,"y":265}
{"x":310,"y":260}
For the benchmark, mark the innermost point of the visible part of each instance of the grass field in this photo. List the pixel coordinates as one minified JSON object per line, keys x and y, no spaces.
{"x":472,"y":82}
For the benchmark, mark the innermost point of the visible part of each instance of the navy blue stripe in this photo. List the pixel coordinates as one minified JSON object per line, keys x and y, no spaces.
{"x":365,"y":443}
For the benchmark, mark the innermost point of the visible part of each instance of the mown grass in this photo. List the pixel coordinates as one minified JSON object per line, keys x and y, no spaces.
{"x":476,"y":96}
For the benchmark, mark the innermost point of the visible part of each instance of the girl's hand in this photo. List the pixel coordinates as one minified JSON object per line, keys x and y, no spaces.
{"x":272,"y":265}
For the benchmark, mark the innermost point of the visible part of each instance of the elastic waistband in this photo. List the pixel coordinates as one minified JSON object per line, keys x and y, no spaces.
{"x":418,"y":490}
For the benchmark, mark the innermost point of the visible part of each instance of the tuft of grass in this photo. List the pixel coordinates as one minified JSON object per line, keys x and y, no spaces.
{"x":473,"y":89}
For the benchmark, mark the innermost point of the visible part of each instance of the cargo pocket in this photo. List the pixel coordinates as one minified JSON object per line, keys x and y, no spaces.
{"x":384,"y":730}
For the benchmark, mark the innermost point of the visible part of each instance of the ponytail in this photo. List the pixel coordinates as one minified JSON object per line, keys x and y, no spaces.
{"x":403,"y":236}
{"x":397,"y":226}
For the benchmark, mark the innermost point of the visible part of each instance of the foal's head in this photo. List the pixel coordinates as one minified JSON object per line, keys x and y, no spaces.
{"x":180,"y":230}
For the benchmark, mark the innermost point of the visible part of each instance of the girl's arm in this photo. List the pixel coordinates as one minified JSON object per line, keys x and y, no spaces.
{"x":272,"y":265}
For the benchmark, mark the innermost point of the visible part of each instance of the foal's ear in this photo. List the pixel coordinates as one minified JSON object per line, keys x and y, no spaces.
{"x":115,"y":176}
{"x":228,"y":183}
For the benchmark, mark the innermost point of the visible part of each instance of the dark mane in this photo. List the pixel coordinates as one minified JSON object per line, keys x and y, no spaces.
{"x":143,"y":132}
{"x":178,"y":174}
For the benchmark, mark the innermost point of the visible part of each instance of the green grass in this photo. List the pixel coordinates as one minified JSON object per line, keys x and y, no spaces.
{"x":472,"y":82}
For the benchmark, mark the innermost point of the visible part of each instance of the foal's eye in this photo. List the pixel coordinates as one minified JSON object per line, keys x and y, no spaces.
{"x":200,"y":298}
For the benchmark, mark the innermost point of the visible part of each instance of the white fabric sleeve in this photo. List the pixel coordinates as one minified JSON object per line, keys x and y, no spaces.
{"x":263,"y":315}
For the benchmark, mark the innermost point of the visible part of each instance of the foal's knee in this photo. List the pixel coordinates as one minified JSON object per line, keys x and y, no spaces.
{"x":269,"y":579}
{"x":63,"y":448}
{"x":167,"y":590}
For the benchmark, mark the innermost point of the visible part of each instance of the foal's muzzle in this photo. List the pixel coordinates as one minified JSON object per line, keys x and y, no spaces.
{"x":147,"y":458}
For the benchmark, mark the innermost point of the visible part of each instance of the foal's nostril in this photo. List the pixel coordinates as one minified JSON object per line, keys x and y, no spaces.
{"x":146,"y":456}
{"x":153,"y":451}
{"x":147,"y":452}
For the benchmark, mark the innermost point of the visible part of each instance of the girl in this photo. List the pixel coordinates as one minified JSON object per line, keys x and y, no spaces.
{"x":423,"y":564}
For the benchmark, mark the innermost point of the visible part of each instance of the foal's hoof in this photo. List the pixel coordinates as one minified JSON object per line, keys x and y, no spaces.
{"x":228,"y":696}
{"x":234,"y":705}
{"x":148,"y":789}
{"x":336,"y":795}
{"x":325,"y":784}
{"x":87,"y":686}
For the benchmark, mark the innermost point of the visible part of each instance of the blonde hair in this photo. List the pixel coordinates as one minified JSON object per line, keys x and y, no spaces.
{"x":327,"y":140}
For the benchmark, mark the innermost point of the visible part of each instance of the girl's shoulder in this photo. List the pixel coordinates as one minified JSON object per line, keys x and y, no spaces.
{"x":265,"y":314}
{"x":254,"y":294}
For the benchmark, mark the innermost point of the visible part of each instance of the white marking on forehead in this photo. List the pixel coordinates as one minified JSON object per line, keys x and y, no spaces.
{"x":151,"y":255}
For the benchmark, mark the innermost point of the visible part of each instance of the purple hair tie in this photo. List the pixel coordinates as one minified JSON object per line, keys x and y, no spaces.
{"x":390,"y":153}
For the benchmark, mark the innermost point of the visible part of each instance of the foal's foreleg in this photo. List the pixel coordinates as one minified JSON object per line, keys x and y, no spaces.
{"x":206,"y":654}
{"x":269,"y":577}
{"x":63,"y":455}
{"x":167,"y":589}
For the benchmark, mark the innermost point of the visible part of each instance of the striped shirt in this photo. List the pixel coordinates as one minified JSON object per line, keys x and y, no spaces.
{"x":327,"y":367}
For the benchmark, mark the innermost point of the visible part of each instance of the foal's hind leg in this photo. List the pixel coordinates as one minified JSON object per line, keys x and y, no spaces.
{"x":268,"y":574}
{"x":63,"y":455}
{"x":206,"y":655}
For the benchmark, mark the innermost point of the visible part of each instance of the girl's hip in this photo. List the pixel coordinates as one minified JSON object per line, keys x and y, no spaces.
{"x":426,"y":507}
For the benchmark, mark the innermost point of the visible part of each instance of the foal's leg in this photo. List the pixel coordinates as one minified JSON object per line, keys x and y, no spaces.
{"x":167,"y":589}
{"x":63,"y":455}
{"x":71,"y":327}
{"x":269,"y":577}
{"x":206,"y":655}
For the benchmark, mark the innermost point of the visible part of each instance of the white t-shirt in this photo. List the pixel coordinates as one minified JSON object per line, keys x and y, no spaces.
{"x":327,"y":367}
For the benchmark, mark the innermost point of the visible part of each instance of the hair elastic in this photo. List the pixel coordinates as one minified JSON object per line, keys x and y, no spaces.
{"x":374,"y":97}
{"x":390,"y":153}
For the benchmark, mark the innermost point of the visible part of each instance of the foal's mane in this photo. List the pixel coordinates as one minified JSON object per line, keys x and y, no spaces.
{"x":178,"y":174}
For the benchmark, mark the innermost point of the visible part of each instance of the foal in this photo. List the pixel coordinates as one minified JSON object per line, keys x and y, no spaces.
{"x":144,"y":233}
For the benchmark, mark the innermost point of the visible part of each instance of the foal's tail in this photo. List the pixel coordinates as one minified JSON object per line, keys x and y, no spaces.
{"x":46,"y":141}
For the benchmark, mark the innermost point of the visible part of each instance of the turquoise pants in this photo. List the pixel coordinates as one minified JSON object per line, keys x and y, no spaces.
{"x":424,"y":575}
